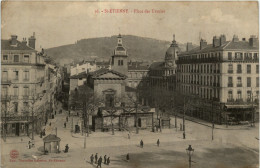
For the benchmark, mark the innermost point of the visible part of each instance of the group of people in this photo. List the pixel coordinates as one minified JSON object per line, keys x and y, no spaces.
{"x":99,"y":161}
{"x":30,"y":145}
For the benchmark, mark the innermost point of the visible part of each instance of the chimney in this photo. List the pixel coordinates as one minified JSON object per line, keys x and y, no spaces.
{"x":32,"y":41}
{"x":216,"y":41}
{"x":13,"y":39}
{"x":253,"y":41}
{"x":222,"y":39}
{"x":189,"y":46}
{"x":24,"y":42}
{"x":243,"y":39}
{"x":235,"y":38}
{"x":203,"y":44}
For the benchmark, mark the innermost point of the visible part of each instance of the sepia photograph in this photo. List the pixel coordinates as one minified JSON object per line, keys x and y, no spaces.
{"x":127,"y":84}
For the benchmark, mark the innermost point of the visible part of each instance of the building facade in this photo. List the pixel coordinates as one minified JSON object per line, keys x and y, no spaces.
{"x":23,"y":72}
{"x":222,"y":77}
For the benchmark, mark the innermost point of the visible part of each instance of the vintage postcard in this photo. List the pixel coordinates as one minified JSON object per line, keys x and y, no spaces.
{"x":129,"y":84}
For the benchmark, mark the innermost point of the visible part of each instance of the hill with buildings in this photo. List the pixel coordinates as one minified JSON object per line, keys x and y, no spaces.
{"x":138,"y":48}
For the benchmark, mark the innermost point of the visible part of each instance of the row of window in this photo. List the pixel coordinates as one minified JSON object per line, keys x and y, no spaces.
{"x":202,"y":92}
{"x":239,"y":82}
{"x":200,"y":80}
{"x":14,"y":107}
{"x":202,"y":56}
{"x":15,"y":91}
{"x":26,"y":75}
{"x":239,"y":56}
{"x":16,"y":58}
{"x":239,"y":68}
{"x":195,"y":68}
{"x":136,"y":74}
{"x":250,"y":96}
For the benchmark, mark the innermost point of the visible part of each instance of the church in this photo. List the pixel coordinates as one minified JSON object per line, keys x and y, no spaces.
{"x":121,"y":107}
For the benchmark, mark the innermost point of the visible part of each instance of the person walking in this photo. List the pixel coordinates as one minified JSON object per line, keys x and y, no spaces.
{"x":66,"y":148}
{"x":99,"y":162}
{"x":141,"y":143}
{"x":96,"y":157}
{"x":108,"y":160}
{"x":183,"y":135}
{"x":92,"y":159}
{"x":105,"y":159}
{"x":67,"y":119}
{"x":127,"y":157}
{"x":65,"y":124}
{"x":158,"y":142}
{"x":29,"y":145}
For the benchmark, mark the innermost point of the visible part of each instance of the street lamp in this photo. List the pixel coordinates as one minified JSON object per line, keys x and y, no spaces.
{"x":189,"y":151}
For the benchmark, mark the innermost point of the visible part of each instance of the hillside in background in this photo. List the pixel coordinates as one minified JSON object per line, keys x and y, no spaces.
{"x":138,"y":48}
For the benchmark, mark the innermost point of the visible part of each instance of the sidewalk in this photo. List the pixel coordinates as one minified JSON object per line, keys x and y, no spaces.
{"x":216,"y":126}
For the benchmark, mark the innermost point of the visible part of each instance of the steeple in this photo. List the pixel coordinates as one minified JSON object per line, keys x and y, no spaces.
{"x":119,"y":40}
{"x":174,"y":44}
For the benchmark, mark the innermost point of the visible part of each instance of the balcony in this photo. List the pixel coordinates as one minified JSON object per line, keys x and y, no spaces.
{"x":15,"y":97}
{"x":230,"y":71}
{"x":239,"y":85}
{"x":230,"y":84}
{"x":6,"y":82}
{"x":230,"y":100}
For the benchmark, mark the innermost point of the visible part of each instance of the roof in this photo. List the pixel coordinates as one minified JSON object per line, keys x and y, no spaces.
{"x":6,"y":45}
{"x":156,"y":65}
{"x":120,"y":48}
{"x":80,"y":75}
{"x":229,"y":45}
{"x":103,"y":63}
{"x":129,"y":89}
{"x":138,"y":66}
{"x":102,"y":71}
{"x":51,"y":138}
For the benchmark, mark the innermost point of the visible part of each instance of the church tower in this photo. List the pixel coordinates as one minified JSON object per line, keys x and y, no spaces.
{"x":119,"y":57}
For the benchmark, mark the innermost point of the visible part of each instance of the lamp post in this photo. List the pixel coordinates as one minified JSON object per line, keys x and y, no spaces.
{"x":189,"y":151}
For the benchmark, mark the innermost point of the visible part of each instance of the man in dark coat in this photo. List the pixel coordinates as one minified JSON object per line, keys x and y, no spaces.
{"x":66,"y":148}
{"x":108,"y":160}
{"x":183,"y":135}
{"x":99,"y":162}
{"x":127,"y":157}
{"x":96,"y":157}
{"x":158,"y":142}
{"x":141,"y":143}
{"x":92,"y":159}
{"x":65,"y":124}
{"x":105,"y":159}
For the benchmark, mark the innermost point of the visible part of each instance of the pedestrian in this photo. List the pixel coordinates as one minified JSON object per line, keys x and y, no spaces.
{"x":183,"y":135}
{"x":50,"y":124}
{"x":96,"y":157}
{"x":108,"y":160}
{"x":158,"y":142}
{"x":129,"y":135}
{"x":43,"y":132}
{"x":99,"y":161}
{"x":29,"y":145}
{"x":141,"y":143}
{"x":180,"y":127}
{"x":66,"y":148}
{"x":55,"y":112}
{"x":127,"y":157}
{"x":105,"y":159}
{"x":67,"y":119}
{"x":64,"y":124}
{"x":92,"y":159}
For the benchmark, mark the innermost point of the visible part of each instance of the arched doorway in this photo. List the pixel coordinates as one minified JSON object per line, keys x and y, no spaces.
{"x":139,"y":122}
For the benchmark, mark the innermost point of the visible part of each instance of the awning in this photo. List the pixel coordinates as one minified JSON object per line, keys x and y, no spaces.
{"x":239,"y":106}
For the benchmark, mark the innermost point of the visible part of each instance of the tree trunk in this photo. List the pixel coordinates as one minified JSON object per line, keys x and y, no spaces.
{"x":113,"y":133}
{"x":136,"y":120}
{"x":87,"y":125}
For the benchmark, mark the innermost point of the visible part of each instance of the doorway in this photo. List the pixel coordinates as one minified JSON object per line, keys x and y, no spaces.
{"x":139,"y":122}
{"x":17,"y":129}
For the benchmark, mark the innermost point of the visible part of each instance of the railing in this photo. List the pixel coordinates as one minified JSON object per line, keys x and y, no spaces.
{"x":6,"y":82}
{"x":239,"y":85}
{"x":230,"y":100}
{"x":230,"y":84}
{"x":230,"y":71}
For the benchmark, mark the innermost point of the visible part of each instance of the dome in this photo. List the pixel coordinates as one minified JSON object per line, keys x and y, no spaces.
{"x":171,"y":51}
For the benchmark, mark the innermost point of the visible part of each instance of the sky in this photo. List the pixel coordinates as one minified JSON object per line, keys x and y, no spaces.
{"x":61,"y":23}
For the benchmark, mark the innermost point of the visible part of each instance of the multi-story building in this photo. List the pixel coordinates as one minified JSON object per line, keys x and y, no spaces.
{"x":23,"y":72}
{"x":223,"y":77}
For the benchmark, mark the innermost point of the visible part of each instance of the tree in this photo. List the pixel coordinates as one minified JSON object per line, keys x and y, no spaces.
{"x":8,"y":109}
